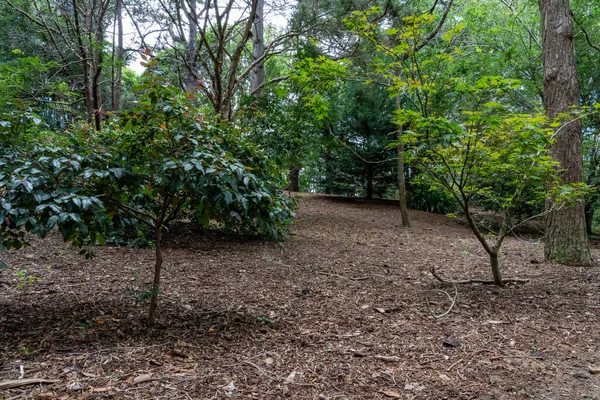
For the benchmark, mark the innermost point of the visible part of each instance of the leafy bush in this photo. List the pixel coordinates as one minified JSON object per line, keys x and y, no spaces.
{"x":150,"y":165}
{"x":430,"y":200}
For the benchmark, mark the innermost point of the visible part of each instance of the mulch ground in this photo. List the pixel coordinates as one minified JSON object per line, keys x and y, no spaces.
{"x":349,"y":310}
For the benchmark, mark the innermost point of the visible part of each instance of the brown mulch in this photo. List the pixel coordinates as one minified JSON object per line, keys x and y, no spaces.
{"x":346,"y":311}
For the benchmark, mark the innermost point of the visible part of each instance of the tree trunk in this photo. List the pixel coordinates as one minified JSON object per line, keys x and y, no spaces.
{"x":156,"y":283}
{"x":589,"y":218}
{"x":494,"y":262}
{"x":258,"y":50}
{"x":119,"y":60}
{"x":369,"y":194}
{"x":566,"y":240}
{"x":294,"y":179}
{"x":401,"y":179}
{"x":191,"y":52}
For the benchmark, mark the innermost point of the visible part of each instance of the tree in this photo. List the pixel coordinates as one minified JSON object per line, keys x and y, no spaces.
{"x":74,"y":31}
{"x":490,"y":155}
{"x":157,"y":161}
{"x":396,"y":61}
{"x":566,"y":239}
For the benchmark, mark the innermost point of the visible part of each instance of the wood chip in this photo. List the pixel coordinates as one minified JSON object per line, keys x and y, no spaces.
{"x":594,"y":370}
{"x":388,"y":358}
{"x":24,"y":382}
{"x":142,"y":378}
{"x":390,"y":393}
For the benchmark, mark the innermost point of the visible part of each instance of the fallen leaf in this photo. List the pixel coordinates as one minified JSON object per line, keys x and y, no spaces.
{"x":268,"y":361}
{"x":592,"y":369}
{"x":388,"y":358}
{"x":413,"y":387}
{"x":381,"y":310}
{"x":290,"y":378}
{"x":177,"y":353}
{"x":156,"y":363}
{"x":359,"y":353}
{"x":142,"y":378}
{"x":100,"y":389}
{"x":364,"y":306}
{"x":229,"y":388}
{"x":89,"y":375}
{"x":390,"y":393}
{"x":451,"y":342}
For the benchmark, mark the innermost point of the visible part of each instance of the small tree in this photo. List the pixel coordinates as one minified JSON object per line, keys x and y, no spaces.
{"x":492,"y":155}
{"x":153,"y":163}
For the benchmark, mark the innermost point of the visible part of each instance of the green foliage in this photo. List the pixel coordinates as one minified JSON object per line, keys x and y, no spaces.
{"x":25,"y":280}
{"x":423,"y":198}
{"x":151,"y":164}
{"x":140,"y":296}
{"x":491,"y":154}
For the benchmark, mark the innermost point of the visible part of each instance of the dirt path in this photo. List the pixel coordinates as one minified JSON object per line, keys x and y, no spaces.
{"x":346,"y":312}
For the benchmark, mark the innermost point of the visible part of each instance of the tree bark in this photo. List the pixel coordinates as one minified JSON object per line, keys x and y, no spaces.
{"x":294,"y":179}
{"x":401,"y":179}
{"x":566,"y":239}
{"x":494,"y":262}
{"x":258,"y":50}
{"x":118,"y":58}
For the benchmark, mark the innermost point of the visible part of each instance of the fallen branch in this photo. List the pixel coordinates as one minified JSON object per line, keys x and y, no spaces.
{"x":24,"y":382}
{"x":452,"y":303}
{"x":470,"y":281}
{"x":343,"y":277}
{"x":454,"y":365}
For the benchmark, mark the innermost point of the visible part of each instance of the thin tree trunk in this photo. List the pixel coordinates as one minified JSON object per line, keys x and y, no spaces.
{"x":566,"y":239}
{"x":401,"y":179}
{"x":258,"y":50}
{"x":191,"y":52}
{"x":118,"y":60}
{"x":157,"y":270}
{"x":494,"y":262}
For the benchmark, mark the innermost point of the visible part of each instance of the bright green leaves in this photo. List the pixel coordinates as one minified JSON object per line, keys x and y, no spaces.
{"x":316,"y":76}
{"x":491,"y":154}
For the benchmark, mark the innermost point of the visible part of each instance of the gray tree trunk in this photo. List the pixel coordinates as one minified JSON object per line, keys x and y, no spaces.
{"x":258,"y":50}
{"x":119,"y":58}
{"x":401,"y":179}
{"x":566,"y":239}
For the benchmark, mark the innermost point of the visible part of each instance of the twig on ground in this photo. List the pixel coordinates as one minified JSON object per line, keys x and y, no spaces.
{"x":452,"y":303}
{"x":24,"y":382}
{"x":262,"y":370}
{"x":343,"y":277}
{"x":470,"y":281}
{"x":454,"y":365}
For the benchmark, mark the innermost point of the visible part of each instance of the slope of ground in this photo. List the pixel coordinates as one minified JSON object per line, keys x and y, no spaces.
{"x":347,"y":311}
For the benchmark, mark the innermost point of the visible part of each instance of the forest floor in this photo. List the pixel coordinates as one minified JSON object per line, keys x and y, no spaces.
{"x":345,"y":312}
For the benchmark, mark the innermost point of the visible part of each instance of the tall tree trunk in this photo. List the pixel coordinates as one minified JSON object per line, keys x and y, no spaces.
{"x":191,"y":53}
{"x":294,"y":179}
{"x":258,"y":50}
{"x":566,"y":239}
{"x":589,"y":218}
{"x":118,"y":58}
{"x":401,"y":179}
